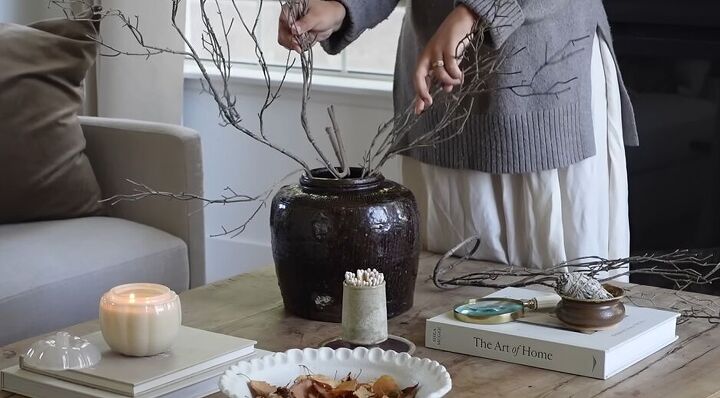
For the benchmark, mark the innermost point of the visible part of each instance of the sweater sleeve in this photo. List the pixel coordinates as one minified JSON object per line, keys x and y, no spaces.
{"x":360,"y":15}
{"x":503,"y":17}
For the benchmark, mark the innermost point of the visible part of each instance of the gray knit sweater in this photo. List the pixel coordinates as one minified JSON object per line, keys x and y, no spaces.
{"x":507,"y":132}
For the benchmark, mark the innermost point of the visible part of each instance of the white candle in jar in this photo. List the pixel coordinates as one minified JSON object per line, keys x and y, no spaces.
{"x":140,"y":319}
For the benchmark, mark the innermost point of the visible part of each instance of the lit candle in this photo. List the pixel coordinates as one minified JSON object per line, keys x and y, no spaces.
{"x":140,"y":319}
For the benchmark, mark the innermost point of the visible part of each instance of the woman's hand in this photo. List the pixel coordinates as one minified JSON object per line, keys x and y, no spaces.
{"x":439,"y":59}
{"x":323,"y":18}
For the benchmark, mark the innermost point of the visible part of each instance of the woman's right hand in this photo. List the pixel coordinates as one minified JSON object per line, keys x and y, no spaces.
{"x":323,"y":18}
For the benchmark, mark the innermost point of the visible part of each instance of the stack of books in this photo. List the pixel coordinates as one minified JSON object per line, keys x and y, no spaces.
{"x":540,"y":340}
{"x":191,"y":369}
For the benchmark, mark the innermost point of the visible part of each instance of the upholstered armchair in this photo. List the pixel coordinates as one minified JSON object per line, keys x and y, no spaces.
{"x":52,"y":273}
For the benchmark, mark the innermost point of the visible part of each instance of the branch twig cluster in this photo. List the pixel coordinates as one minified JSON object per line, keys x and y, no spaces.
{"x":393,"y":137}
{"x":672,"y":266}
{"x":214,"y":61}
{"x":683,"y":267}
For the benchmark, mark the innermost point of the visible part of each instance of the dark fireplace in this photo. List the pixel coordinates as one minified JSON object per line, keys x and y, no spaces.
{"x":669,"y":55}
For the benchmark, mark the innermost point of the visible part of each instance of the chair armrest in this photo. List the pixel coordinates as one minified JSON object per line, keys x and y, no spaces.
{"x":166,"y":158}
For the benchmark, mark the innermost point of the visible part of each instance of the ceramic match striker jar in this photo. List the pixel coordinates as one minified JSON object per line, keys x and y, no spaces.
{"x":364,"y":314}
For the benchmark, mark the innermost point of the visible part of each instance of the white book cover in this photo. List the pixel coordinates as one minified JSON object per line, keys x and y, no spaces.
{"x":193,"y":351}
{"x":599,"y":354}
{"x":35,"y":385}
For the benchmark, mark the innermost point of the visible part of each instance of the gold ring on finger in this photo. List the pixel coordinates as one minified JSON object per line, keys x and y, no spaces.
{"x":438,"y":64}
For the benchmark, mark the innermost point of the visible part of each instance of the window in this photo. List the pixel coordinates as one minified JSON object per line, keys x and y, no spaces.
{"x":372,"y":53}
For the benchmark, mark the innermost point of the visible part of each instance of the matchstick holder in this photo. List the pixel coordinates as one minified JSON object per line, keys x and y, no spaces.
{"x":364,"y":314}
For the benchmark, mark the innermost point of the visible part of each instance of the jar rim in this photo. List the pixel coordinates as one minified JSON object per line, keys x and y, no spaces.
{"x":139,"y":294}
{"x":322,"y":179}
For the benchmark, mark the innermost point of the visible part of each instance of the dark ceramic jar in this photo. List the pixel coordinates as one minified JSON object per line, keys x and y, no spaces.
{"x":324,"y":227}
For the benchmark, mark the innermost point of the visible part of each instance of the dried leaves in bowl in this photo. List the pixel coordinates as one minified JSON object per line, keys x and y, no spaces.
{"x":321,"y":386}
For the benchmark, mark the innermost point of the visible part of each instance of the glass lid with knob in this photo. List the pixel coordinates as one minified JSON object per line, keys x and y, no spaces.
{"x":61,"y":351}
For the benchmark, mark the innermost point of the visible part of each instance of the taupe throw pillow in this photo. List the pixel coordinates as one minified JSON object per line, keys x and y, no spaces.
{"x":44,"y":173}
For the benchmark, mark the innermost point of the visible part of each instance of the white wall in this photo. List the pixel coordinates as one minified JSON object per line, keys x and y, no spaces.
{"x":231,"y":159}
{"x":27,"y":11}
{"x":127,"y":86}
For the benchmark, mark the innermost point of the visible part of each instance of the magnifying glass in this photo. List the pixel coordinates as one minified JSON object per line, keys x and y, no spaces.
{"x":494,"y":310}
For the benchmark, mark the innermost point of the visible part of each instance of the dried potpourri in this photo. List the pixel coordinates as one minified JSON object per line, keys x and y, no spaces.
{"x":321,"y":386}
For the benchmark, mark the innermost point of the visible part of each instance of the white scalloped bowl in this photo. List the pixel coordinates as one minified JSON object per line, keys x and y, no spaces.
{"x":282,"y":368}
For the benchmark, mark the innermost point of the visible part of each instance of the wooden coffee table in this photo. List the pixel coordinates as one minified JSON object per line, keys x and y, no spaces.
{"x":250,"y":306}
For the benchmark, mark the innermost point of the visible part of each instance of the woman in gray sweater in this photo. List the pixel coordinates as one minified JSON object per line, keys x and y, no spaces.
{"x":540,"y":178}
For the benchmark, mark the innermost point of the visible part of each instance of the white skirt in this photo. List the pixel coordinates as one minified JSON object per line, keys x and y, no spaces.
{"x":537,"y":219}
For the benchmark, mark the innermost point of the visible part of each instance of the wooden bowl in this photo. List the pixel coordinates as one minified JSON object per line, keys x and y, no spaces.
{"x":592,"y":314}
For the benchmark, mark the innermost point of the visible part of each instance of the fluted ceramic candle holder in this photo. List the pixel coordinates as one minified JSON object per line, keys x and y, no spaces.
{"x":140,"y":319}
{"x":364,"y":314}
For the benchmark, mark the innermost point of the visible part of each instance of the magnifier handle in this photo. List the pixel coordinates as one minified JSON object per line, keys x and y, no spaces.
{"x":545,"y":301}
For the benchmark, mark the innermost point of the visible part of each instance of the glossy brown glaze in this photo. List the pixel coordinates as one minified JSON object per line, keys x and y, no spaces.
{"x":323,"y":227}
{"x":592,"y":314}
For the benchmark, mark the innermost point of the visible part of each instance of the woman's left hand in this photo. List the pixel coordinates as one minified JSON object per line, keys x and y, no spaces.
{"x":439,"y":59}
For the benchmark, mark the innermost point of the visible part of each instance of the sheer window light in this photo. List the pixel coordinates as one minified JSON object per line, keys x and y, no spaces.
{"x":372,"y":53}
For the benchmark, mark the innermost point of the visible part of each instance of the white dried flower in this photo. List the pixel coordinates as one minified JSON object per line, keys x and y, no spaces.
{"x":581,"y":286}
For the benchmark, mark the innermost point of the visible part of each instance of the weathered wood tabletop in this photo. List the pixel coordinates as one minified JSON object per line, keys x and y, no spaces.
{"x":250,"y":306}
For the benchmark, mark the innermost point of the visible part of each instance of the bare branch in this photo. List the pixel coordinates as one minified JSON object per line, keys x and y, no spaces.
{"x":336,"y":140}
{"x":674,"y":266}
{"x":481,"y":68}
{"x":296,"y":9}
{"x":215,"y":42}
{"x":143,"y":191}
{"x":230,"y":196}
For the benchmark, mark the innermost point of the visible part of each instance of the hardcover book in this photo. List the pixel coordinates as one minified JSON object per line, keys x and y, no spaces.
{"x":36,"y":385}
{"x":546,"y":344}
{"x":194,"y":352}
